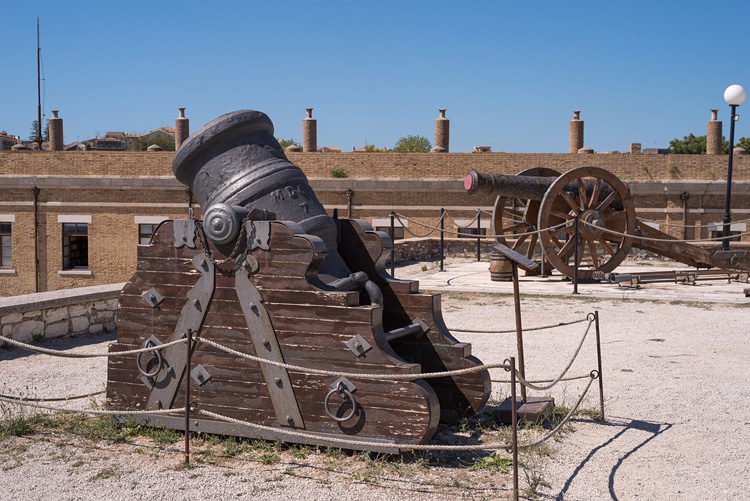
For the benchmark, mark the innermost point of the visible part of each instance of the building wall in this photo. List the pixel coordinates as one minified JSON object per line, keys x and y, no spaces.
{"x":115,"y":187}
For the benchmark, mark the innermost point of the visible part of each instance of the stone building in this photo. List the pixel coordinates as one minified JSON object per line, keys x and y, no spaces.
{"x":83,"y":213}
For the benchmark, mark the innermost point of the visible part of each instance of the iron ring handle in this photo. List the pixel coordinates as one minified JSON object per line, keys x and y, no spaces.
{"x":158,"y":358}
{"x":341,"y":390}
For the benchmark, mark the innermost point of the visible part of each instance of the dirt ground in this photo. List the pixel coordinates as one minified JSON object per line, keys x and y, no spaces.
{"x":677,"y":420}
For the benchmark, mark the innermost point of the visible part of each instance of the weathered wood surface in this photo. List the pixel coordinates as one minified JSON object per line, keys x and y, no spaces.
{"x":311,"y":326}
{"x":462,"y":396}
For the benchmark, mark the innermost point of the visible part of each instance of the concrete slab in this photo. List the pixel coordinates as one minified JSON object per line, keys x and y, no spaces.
{"x":474,"y":276}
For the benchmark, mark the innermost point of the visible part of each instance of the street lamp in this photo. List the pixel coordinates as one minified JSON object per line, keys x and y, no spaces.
{"x":734,"y":96}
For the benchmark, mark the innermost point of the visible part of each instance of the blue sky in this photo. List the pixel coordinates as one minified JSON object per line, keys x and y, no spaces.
{"x":509,"y":73}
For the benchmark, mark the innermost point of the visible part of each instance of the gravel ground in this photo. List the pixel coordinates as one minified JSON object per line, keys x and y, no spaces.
{"x":677,"y":423}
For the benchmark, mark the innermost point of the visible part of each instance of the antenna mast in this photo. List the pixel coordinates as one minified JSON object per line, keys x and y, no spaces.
{"x":38,"y":90}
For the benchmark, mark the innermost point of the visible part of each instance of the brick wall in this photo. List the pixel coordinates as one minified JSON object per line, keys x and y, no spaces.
{"x":115,"y":187}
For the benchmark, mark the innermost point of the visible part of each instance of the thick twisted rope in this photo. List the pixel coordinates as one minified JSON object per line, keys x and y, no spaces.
{"x":423,"y":447}
{"x":26,"y":403}
{"x":648,"y":239}
{"x":561,"y":324}
{"x":534,"y":232}
{"x":531,"y":385}
{"x":355,"y":375}
{"x":58,"y":399}
{"x":469,"y":224}
{"x":432,"y":228}
{"x":66,"y":354}
{"x":677,"y":225}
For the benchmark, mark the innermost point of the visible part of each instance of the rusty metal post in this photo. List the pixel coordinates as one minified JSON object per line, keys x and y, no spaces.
{"x":519,"y":329}
{"x":479,"y":233}
{"x":442,"y":239}
{"x":393,"y":249}
{"x":189,"y":348}
{"x":599,"y":360}
{"x":575,"y":255}
{"x":514,"y":426}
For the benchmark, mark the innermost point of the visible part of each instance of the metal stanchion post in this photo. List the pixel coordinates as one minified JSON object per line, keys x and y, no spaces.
{"x":575,"y":255}
{"x":519,"y":329}
{"x":393,"y":251}
{"x":189,"y":348}
{"x":514,"y":426}
{"x":479,"y":234}
{"x":442,"y":239}
{"x":599,"y":360}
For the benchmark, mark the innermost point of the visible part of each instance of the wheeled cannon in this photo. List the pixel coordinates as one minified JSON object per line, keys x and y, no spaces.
{"x":541,"y":206}
{"x":269,"y":275}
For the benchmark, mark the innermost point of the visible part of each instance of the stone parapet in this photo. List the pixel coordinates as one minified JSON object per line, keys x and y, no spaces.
{"x":85,"y":310}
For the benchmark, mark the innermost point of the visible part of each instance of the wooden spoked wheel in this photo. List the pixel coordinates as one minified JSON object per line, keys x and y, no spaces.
{"x":516,"y":216}
{"x":602,"y":202}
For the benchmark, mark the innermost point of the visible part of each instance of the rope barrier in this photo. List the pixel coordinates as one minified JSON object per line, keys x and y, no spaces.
{"x":355,"y":375}
{"x":469,"y":224}
{"x":535,"y":232}
{"x":66,"y":354}
{"x":59,"y":399}
{"x":437,"y":447}
{"x":406,"y":228}
{"x":531,"y":385}
{"x":677,"y":225}
{"x":561,"y":324}
{"x":571,"y":378}
{"x":648,"y":239}
{"x":88,"y":411}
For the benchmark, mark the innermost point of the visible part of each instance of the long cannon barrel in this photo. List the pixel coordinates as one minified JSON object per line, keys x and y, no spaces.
{"x":528,"y":187}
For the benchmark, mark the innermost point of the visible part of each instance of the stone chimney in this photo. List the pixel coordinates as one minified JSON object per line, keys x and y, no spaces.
{"x":713,"y":134}
{"x":442,"y":133}
{"x":181,"y":129}
{"x":309,"y":133}
{"x":575,"y":133}
{"x":635,"y":148}
{"x":55,"y":132}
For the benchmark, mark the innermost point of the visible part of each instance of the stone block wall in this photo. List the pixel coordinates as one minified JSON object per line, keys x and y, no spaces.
{"x":47,"y":315}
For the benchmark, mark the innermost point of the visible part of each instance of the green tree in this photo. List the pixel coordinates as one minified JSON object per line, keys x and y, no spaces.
{"x":412,"y":144}
{"x":695,"y":145}
{"x":288,"y":142}
{"x":744,"y":142}
{"x":33,"y":131}
{"x":142,"y":144}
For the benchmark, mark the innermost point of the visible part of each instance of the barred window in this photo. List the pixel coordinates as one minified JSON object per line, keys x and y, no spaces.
{"x":6,"y":244}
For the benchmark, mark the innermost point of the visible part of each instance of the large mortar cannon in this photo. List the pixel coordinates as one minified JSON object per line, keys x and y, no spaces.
{"x":541,"y":205}
{"x":268,"y":273}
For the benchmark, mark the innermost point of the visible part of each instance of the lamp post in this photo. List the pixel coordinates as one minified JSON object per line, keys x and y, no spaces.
{"x":734,"y":96}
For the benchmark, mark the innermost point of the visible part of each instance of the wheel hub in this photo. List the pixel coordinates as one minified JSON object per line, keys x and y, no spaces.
{"x":595,"y":223}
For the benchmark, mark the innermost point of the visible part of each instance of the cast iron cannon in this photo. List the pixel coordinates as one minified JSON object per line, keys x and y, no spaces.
{"x":543,"y":200}
{"x":269,"y":274}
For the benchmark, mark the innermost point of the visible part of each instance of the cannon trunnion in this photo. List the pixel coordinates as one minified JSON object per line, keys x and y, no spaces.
{"x":312,"y":294}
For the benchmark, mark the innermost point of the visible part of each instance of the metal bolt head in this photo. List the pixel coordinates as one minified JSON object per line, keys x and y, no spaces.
{"x":267,"y":344}
{"x":290,"y":420}
{"x":278,"y":382}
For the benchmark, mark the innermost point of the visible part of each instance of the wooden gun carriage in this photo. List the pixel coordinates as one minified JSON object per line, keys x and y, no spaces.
{"x":268,"y":273}
{"x":541,"y":205}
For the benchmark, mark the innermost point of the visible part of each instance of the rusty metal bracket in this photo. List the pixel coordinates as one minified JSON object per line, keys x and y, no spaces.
{"x":152,"y":297}
{"x":184,"y":233}
{"x":267,"y":346}
{"x":200,"y":375}
{"x":166,"y":383}
{"x":358,"y":345}
{"x":258,"y":235}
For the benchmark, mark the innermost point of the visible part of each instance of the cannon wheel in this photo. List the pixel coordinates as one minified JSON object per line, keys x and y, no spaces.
{"x":516,"y":215}
{"x":599,"y":198}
